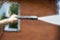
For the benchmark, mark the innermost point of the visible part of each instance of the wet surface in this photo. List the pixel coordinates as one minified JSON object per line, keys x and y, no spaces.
{"x":34,"y":29}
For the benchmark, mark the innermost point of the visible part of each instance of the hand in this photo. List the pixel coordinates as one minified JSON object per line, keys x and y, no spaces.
{"x":13,"y":18}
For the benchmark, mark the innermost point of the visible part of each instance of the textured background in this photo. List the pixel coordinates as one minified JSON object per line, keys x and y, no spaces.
{"x":34,"y":29}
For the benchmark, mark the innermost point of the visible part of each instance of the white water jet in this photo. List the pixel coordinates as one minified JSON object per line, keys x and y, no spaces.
{"x":54,"y":19}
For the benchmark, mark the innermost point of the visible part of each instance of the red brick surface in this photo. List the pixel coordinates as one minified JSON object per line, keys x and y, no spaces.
{"x":33,"y":29}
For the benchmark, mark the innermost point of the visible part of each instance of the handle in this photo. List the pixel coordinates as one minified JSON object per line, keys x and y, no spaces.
{"x":28,"y":17}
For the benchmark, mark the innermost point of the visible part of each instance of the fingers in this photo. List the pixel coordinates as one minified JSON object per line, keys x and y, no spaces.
{"x":13,"y":18}
{"x":14,"y":15}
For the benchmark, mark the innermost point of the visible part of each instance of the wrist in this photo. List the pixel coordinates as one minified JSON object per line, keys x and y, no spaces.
{"x":4,"y":21}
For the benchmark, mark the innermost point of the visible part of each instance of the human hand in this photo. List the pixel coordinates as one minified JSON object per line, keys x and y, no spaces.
{"x":13,"y":18}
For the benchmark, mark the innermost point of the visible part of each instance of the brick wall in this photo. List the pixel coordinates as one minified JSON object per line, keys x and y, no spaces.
{"x":34,"y":29}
